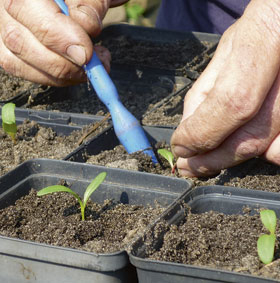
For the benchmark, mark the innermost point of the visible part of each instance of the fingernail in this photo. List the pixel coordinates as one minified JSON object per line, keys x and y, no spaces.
{"x":181,"y":151}
{"x":77,"y":54}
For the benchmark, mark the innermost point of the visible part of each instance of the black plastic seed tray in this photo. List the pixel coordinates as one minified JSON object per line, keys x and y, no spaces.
{"x":25,"y":261}
{"x":139,"y":91}
{"x":108,"y":140}
{"x":227,"y":200}
{"x":37,"y":92}
{"x":62,"y":123}
{"x":171,"y":52}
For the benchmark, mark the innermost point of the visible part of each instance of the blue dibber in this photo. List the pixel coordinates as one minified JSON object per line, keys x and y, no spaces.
{"x":126,"y":126}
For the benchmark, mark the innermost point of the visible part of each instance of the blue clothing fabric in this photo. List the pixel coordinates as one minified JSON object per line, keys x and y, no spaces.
{"x":212,"y":16}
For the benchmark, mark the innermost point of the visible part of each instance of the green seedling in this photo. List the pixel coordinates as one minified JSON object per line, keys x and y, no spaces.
{"x":9,"y":120}
{"x":266,"y":243}
{"x":169,"y":157}
{"x":89,"y":190}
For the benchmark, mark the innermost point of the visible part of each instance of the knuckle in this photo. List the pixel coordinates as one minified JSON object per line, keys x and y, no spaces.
{"x":8,"y":65}
{"x":43,"y":32}
{"x":60,"y":71}
{"x":12,"y":38}
{"x":249,"y":146}
{"x":101,"y":7}
{"x":238,"y":103}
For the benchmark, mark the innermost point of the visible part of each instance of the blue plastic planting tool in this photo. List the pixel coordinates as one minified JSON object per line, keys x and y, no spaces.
{"x":126,"y":126}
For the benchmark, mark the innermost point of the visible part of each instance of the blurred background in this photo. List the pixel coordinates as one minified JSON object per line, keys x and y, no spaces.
{"x":136,"y":12}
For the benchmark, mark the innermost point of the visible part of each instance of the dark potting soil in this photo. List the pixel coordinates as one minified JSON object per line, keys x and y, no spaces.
{"x":55,"y":219}
{"x":126,"y":50}
{"x":35,"y":141}
{"x":218,"y":241}
{"x":119,"y":158}
{"x":10,"y":86}
{"x":168,"y":114}
{"x":139,"y":100}
{"x":254,"y":174}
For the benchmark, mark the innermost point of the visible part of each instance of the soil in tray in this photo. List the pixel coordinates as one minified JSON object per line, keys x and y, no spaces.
{"x":56,"y":220}
{"x":10,"y":86}
{"x":218,"y":241}
{"x":139,"y":100}
{"x":35,"y":141}
{"x":162,"y":116}
{"x":119,"y":158}
{"x":163,"y":55}
{"x":254,"y":174}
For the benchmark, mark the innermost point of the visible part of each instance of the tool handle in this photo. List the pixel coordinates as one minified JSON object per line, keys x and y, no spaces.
{"x":126,"y":126}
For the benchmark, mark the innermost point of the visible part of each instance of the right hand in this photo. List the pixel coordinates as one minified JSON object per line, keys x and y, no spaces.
{"x":41,"y":44}
{"x":231,"y":113}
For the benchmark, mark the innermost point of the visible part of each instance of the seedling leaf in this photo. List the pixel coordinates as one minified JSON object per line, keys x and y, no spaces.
{"x":8,"y":113}
{"x":57,"y":188}
{"x":266,"y":245}
{"x":167,"y":155}
{"x":269,"y":220}
{"x":93,"y":186}
{"x":9,"y":120}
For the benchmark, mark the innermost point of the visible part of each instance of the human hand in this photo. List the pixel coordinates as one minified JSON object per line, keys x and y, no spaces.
{"x":232,"y":112}
{"x":41,"y":44}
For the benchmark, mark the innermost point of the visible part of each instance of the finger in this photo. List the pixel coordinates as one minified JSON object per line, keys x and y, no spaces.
{"x":89,"y":14}
{"x":236,"y":97}
{"x":17,"y":67}
{"x":104,"y":55}
{"x":21,"y":42}
{"x":203,"y":85}
{"x":53,"y":29}
{"x":247,"y":142}
{"x":272,"y":154}
{"x":55,"y":70}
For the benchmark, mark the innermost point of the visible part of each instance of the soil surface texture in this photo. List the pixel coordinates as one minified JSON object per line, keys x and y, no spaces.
{"x":254,"y":174}
{"x":119,"y":158}
{"x":10,"y":86}
{"x":126,"y":50}
{"x":137,"y":98}
{"x":55,"y":219}
{"x":35,"y":141}
{"x":168,"y":114}
{"x":218,"y":241}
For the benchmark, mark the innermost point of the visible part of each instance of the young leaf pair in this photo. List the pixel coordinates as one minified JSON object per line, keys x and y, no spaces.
{"x":89,"y":190}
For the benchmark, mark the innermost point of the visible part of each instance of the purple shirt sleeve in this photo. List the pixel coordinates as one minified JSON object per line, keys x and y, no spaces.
{"x":213,"y":16}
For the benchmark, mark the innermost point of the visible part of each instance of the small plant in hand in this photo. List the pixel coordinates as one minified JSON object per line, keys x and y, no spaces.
{"x":266,"y":243}
{"x":169,"y":157}
{"x":89,"y":190}
{"x":9,"y":120}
